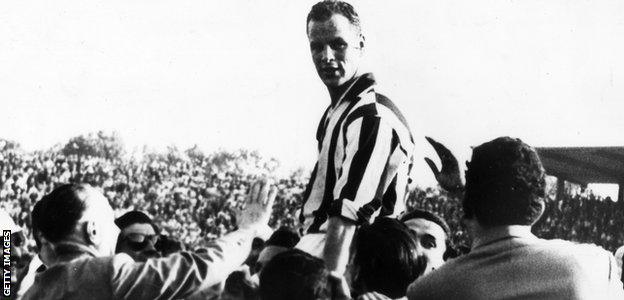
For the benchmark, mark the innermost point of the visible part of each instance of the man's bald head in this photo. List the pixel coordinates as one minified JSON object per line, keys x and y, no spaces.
{"x":78,"y":213}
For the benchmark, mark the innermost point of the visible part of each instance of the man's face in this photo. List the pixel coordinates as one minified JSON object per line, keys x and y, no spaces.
{"x":138,"y":240}
{"x":101,"y":213}
{"x":430,"y":240}
{"x":336,"y":46}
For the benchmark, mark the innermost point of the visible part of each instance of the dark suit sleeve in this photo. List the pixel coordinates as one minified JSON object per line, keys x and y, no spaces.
{"x":182,"y":274}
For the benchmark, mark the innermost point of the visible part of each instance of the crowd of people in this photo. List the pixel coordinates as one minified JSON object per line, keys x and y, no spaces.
{"x":390,"y":254}
{"x":191,"y":199}
{"x":584,"y":218}
{"x":85,"y":222}
{"x":187,"y":198}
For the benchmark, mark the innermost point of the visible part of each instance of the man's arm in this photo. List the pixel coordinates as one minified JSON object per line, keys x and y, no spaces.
{"x":369,"y":145}
{"x":337,"y":243}
{"x":181,"y":274}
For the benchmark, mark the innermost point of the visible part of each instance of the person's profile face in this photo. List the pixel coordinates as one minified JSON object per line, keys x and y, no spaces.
{"x":430,"y":240}
{"x":336,"y":47}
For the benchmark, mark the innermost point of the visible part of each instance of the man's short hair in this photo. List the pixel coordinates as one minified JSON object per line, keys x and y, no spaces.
{"x":386,"y":258}
{"x":239,"y":285}
{"x":283,"y":237}
{"x":324,"y":10}
{"x":429,"y":216}
{"x":135,"y":217}
{"x":505,"y":184}
{"x":61,"y":211}
{"x":35,"y":221}
{"x":294,"y":274}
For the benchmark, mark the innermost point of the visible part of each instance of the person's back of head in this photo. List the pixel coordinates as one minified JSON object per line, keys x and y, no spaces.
{"x":283,"y":237}
{"x":44,"y":248}
{"x":386,"y":260}
{"x":505,"y":184}
{"x":60,"y":212}
{"x":294,"y":274}
{"x":281,"y":240}
{"x":239,"y":285}
{"x":79,"y":214}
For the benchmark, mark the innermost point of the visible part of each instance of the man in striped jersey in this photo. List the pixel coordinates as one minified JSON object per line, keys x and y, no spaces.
{"x":365,"y":146}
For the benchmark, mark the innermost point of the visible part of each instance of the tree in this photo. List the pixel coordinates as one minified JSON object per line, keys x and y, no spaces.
{"x":242,"y":161}
{"x":94,"y":145}
{"x":109,"y":146}
{"x":195,"y":154}
{"x":8,"y":145}
{"x":97,"y":144}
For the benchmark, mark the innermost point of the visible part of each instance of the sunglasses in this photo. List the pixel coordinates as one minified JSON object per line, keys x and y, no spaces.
{"x":138,"y":241}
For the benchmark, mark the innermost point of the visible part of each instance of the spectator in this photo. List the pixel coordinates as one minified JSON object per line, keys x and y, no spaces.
{"x":138,"y":236}
{"x":295,"y":274}
{"x":280,"y":241}
{"x":15,"y":237}
{"x":79,"y":222}
{"x":504,"y":197}
{"x":256,"y":247}
{"x":208,"y":190}
{"x":386,"y":258}
{"x":45,"y":254}
{"x":432,"y":236}
{"x":240,"y":286}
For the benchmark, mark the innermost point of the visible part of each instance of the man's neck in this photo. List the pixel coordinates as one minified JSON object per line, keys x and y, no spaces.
{"x":487,"y":235}
{"x":69,"y":250}
{"x":336,"y":93}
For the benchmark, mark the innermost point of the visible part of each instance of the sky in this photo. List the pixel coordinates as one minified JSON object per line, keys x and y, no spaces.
{"x":238,"y":74}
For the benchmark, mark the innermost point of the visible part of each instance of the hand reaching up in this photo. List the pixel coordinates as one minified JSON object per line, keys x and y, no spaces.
{"x":258,"y":205}
{"x":448,"y":178}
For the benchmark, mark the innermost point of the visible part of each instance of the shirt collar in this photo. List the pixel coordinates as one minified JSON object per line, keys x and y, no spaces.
{"x":356,"y":87}
{"x":68,"y":251}
{"x":501,"y":233}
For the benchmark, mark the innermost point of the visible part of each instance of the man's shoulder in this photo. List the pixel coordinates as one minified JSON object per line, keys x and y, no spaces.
{"x":66,"y":278}
{"x":555,"y":258}
{"x":443,"y":283}
{"x":373,"y":104}
{"x":567,"y":248}
{"x":575,"y":255}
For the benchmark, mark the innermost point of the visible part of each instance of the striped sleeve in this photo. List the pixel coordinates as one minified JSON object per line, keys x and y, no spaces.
{"x":359,"y":188}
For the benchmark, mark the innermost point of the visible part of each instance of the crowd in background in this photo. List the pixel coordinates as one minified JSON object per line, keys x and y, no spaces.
{"x":191,"y":195}
{"x":581,"y":218}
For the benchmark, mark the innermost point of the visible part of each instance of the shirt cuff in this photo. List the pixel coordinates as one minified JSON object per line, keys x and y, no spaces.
{"x":353,"y":212}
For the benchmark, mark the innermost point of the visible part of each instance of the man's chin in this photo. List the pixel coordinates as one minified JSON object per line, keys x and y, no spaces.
{"x":333,"y":82}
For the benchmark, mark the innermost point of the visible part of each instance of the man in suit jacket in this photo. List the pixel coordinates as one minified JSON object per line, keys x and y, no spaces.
{"x":504,"y":197}
{"x":79,"y":222}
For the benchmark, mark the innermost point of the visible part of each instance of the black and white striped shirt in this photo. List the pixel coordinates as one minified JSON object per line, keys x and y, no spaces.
{"x":365,"y":158}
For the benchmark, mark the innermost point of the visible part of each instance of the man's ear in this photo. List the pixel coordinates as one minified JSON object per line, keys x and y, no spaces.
{"x":93,"y":233}
{"x":362,"y":40}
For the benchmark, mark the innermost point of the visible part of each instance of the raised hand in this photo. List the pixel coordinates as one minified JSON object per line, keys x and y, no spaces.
{"x":257,"y":208}
{"x":448,"y":178}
